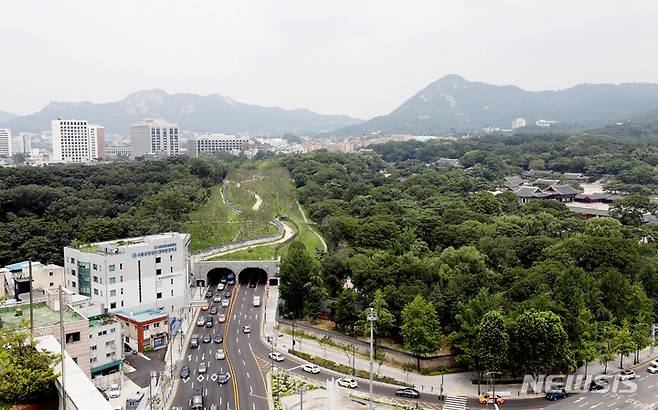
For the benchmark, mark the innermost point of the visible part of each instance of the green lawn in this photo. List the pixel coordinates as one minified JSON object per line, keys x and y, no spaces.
{"x":240,"y":197}
{"x":212,"y":224}
{"x":265,"y":252}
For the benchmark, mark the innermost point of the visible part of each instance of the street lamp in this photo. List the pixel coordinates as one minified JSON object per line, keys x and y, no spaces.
{"x":301,"y":390}
{"x":372,"y":316}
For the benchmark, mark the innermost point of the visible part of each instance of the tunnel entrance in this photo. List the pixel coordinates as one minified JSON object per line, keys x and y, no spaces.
{"x":217,"y":274}
{"x":253,"y":276}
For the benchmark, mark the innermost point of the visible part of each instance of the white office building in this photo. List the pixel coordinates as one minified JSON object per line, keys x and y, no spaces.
{"x":209,"y":143}
{"x":519,"y":123}
{"x":154,"y":136}
{"x":5,"y":142}
{"x":22,"y":143}
{"x":76,"y":140}
{"x":149,"y":272}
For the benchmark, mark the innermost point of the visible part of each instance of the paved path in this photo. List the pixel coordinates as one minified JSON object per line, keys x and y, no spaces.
{"x":301,"y":211}
{"x":258,"y":203}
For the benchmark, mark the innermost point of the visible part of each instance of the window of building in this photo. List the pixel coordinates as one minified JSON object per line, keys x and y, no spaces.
{"x":121,"y":278}
{"x":51,"y":284}
{"x":109,"y":343}
{"x":95,"y":291}
{"x":94,"y":347}
{"x":112,"y":280}
{"x":158,"y":271}
{"x":113,"y":305}
{"x":113,"y":330}
{"x":72,"y":260}
{"x":102,"y":333}
{"x":73,"y":337}
{"x":109,"y":354}
{"x":146,"y":327}
{"x":73,"y":272}
{"x":122,"y":303}
{"x":171,"y":269}
{"x":172,"y":292}
{"x":94,"y":266}
{"x":50,"y":274}
{"x":122,"y":291}
{"x":96,"y":279}
{"x":120,"y":266}
{"x":92,"y":360}
{"x":113,"y":292}
{"x":111,"y":268}
{"x":171,"y":258}
{"x":159,"y":295}
{"x":171,"y":281}
{"x":73,"y":284}
{"x":158,"y":259}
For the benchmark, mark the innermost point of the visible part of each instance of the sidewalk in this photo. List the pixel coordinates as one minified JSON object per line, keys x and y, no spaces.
{"x":455,"y":384}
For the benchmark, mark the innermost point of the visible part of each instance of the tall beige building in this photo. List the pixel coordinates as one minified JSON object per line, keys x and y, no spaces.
{"x":154,"y":136}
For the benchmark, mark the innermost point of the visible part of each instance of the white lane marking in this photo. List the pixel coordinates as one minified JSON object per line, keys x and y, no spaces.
{"x":244,"y":364}
{"x":253,"y":406}
{"x":251,"y":390}
{"x":596,"y":405}
{"x":247,"y":375}
{"x":239,"y":351}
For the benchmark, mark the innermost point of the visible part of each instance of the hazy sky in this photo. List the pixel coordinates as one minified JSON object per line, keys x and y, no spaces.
{"x":356,"y":57}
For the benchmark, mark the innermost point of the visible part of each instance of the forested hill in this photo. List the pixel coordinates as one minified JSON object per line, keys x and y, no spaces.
{"x":454,"y":103}
{"x":417,"y":240}
{"x":44,"y":209}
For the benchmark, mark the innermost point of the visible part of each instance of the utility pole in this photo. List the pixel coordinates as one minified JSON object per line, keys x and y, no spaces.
{"x":372,"y":316}
{"x":293,"y":332}
{"x":31,"y":307}
{"x":62,"y":338}
{"x":653,"y":337}
{"x":301,"y":390}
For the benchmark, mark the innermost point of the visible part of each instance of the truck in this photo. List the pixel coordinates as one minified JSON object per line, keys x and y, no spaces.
{"x":256,"y":301}
{"x":197,"y":399}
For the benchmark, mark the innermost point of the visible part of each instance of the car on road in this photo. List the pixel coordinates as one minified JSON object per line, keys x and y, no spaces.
{"x":185,"y":372}
{"x":114,"y":391}
{"x":276,"y":356}
{"x":225,"y":303}
{"x":221,"y":318}
{"x":223,"y":377}
{"x":408,"y":392}
{"x":201,"y":321}
{"x":220,"y":355}
{"x":203,"y":367}
{"x":222,"y":281}
{"x":347,"y":382}
{"x":217,"y":299}
{"x":555,"y":394}
{"x":209,"y":322}
{"x":209,"y":294}
{"x":227,"y":294}
{"x":252,"y":284}
{"x":197,"y":398}
{"x":246,"y":329}
{"x":599,"y":384}
{"x":218,"y":338}
{"x":194,"y":342}
{"x":626,"y":374}
{"x":204,"y":308}
{"x":311,"y":368}
{"x":490,"y":398}
{"x":653,"y":368}
{"x":206,"y":338}
{"x":220,"y":287}
{"x":213,"y":310}
{"x":213,"y":407}
{"x":256,"y":301}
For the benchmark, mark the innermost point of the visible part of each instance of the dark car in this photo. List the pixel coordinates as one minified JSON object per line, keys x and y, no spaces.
{"x":209,"y":294}
{"x":213,"y":310}
{"x":408,"y":392}
{"x":556,"y":394}
{"x":206,"y":339}
{"x":227,"y":294}
{"x":223,"y":377}
{"x":185,"y":372}
{"x":209,"y":322}
{"x":218,"y":339}
{"x":599,"y":384}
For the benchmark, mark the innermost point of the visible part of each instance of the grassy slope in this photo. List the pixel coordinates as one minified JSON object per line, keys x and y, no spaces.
{"x":212,"y":224}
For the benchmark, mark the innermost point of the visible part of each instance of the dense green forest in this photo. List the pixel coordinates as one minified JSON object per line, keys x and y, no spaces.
{"x":44,"y":209}
{"x":490,"y":279}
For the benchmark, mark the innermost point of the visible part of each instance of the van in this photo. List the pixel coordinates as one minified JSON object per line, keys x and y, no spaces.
{"x":256,"y":301}
{"x":194,"y":342}
{"x":197,"y":399}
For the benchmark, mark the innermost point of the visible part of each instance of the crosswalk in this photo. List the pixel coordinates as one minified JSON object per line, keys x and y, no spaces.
{"x":455,"y":403}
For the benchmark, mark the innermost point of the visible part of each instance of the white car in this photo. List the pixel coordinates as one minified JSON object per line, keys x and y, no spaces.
{"x":114,"y":392}
{"x":311,"y":368}
{"x":653,"y":368}
{"x":221,"y":287}
{"x":220,"y":355}
{"x":347,"y":382}
{"x":203,"y":367}
{"x":246,"y":329}
{"x":201,"y":321}
{"x":626,"y":375}
{"x":276,"y":356}
{"x":217,"y":299}
{"x":225,"y":303}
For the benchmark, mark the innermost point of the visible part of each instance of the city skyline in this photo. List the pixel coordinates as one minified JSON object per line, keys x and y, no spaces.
{"x":333,"y":58}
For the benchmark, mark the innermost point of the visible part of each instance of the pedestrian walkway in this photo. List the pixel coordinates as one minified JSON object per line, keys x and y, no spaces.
{"x":454,"y":384}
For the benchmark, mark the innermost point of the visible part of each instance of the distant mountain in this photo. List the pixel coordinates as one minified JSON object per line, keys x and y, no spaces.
{"x":6,"y":116}
{"x":192,"y":112}
{"x":453,"y":103}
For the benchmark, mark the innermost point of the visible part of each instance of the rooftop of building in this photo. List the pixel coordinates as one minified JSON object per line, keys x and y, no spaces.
{"x":43,"y":315}
{"x":143,"y":315}
{"x":102,"y":319}
{"x":121,"y":245}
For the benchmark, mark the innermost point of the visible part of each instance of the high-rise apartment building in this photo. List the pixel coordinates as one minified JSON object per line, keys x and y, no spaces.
{"x":77,"y":141}
{"x":154,"y":136}
{"x":207,"y":144}
{"x":22,"y":143}
{"x":149,"y":272}
{"x":5,"y":142}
